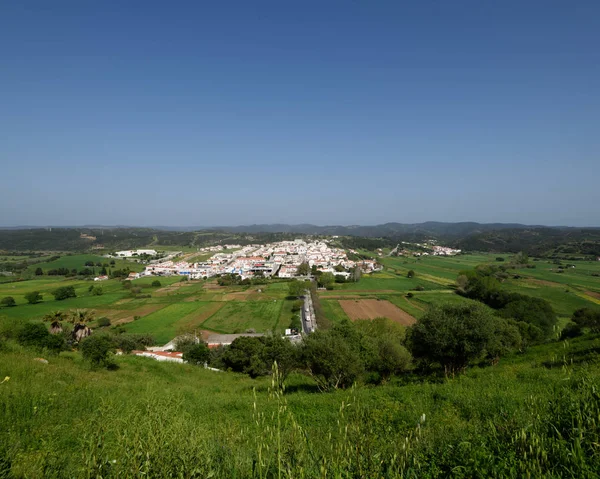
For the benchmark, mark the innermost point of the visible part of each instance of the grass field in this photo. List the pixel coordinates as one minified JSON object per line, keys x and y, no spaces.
{"x":238,"y":317}
{"x":154,"y":419}
{"x":568,"y":291}
{"x":77,"y":261}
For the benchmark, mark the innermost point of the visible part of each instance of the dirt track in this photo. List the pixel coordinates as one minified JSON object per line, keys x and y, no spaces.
{"x":373,"y":308}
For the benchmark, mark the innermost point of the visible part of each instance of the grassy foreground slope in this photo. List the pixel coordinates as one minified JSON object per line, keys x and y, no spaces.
{"x":533,"y":415}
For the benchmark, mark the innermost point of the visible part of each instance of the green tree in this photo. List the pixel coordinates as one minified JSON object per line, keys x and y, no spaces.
{"x":382,"y":347}
{"x":37,"y":335}
{"x":197,"y":354}
{"x":326,"y":280}
{"x":296,"y":288}
{"x":303,"y":269}
{"x":410,"y":274}
{"x":284,"y":353}
{"x":97,"y":349}
{"x":332,"y":357}
{"x":39,"y":272}
{"x":535,"y":311}
{"x":64,"y":292}
{"x":8,"y":301}
{"x":587,"y":318}
{"x":453,"y":336}
{"x":156,"y":284}
{"x":246,"y":355}
{"x":33,"y":297}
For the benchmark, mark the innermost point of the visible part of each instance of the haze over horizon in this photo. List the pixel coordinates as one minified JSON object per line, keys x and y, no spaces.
{"x":329,"y":113}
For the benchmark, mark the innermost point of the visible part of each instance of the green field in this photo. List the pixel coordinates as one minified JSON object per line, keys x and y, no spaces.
{"x":154,"y":419}
{"x":168,"y":322}
{"x":566,"y":292}
{"x":77,"y":261}
{"x":240,"y":316}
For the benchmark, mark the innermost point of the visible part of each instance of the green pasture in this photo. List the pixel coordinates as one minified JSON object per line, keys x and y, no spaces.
{"x":332,"y":310}
{"x":77,"y":261}
{"x":238,"y":317}
{"x":168,"y":322}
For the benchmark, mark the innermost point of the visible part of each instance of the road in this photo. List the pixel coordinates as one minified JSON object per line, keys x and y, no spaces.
{"x":309,"y":322}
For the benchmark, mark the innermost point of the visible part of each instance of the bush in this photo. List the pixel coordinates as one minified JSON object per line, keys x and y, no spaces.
{"x":127,"y":284}
{"x":97,"y":349}
{"x":197,"y":354}
{"x":64,"y":292}
{"x":8,"y":301}
{"x":332,"y":357}
{"x":33,"y":297}
{"x":410,"y":274}
{"x":37,"y":335}
{"x":128,"y":342}
{"x":97,"y":291}
{"x":571,"y":330}
{"x":156,"y":284}
{"x":103,"y":322}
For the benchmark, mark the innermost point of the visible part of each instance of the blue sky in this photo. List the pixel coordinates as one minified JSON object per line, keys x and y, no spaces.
{"x":224,"y":113}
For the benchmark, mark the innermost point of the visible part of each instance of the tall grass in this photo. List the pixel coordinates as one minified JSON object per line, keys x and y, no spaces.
{"x":534,"y":415}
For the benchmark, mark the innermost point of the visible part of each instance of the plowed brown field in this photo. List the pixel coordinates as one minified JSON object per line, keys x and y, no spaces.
{"x":373,"y":308}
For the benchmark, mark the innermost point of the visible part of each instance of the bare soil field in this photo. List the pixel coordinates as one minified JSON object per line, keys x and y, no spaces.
{"x":543,"y":282}
{"x":373,"y":308}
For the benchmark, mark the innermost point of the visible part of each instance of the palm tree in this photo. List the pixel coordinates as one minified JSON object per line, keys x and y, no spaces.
{"x":55,"y":318}
{"x":79,"y":317}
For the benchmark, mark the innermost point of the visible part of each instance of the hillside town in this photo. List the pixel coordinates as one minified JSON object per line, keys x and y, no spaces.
{"x":281,"y":259}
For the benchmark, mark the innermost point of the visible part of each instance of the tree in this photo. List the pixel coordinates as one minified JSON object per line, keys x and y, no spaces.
{"x":64,"y":292}
{"x":246,"y":355}
{"x":8,"y":301}
{"x":587,"y":318}
{"x":356,"y":274}
{"x":97,"y":291}
{"x":410,"y":274}
{"x":156,"y":284}
{"x":55,"y":319}
{"x":296,"y":288}
{"x":332,"y":357}
{"x":33,"y":297}
{"x":326,"y":280}
{"x":303,"y":269}
{"x":39,"y":272}
{"x":197,"y":354}
{"x":531,"y":310}
{"x":382,"y":347}
{"x":96,"y":349}
{"x":284,"y":353}
{"x":453,"y":336}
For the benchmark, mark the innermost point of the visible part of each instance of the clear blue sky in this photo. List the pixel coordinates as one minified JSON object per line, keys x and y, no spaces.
{"x":223,"y":113}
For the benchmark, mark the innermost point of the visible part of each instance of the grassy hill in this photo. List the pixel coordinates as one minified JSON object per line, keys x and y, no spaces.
{"x":533,"y":415}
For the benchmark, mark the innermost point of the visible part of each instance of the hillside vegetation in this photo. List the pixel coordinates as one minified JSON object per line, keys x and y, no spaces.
{"x":533,"y":415}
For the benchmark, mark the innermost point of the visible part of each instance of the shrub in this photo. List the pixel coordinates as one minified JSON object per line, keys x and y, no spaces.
{"x":103,"y":322}
{"x":97,"y":349}
{"x":37,"y":335}
{"x":197,"y":354}
{"x":410,"y":274}
{"x":97,"y":291}
{"x":127,"y":284}
{"x":127,"y":342}
{"x":33,"y":297}
{"x":156,"y":284}
{"x":8,"y":301}
{"x":571,"y":330}
{"x":64,"y":292}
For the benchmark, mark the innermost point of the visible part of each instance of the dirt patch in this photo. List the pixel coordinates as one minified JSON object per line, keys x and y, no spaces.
{"x":373,"y":308}
{"x":593,"y":294}
{"x":126,"y":316}
{"x":211,"y":286}
{"x":543,"y":282}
